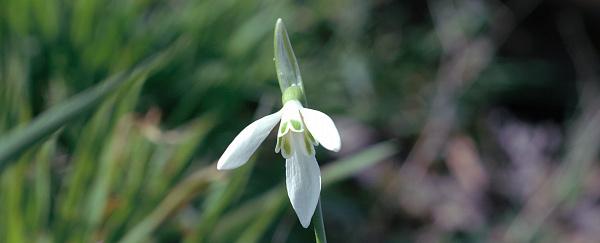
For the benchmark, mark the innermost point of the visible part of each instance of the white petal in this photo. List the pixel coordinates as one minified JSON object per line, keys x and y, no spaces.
{"x":322,"y":128}
{"x":245,"y":143}
{"x":303,"y":181}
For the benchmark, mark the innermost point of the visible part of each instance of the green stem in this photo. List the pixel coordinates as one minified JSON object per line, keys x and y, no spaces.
{"x":317,"y":220}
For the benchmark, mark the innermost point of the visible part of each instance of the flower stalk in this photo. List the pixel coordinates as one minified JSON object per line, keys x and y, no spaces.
{"x":318,"y":225}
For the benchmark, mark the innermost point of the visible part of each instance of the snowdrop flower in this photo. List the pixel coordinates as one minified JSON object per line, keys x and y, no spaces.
{"x":300,"y":130}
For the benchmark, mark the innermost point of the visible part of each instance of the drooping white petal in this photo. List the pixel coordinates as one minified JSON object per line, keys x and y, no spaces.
{"x":245,"y":143}
{"x":322,"y":128}
{"x":303,"y":181}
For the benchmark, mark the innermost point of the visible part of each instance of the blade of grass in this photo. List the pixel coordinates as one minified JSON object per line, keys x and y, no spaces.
{"x":84,"y":163}
{"x":111,"y":160}
{"x":41,"y":201}
{"x":113,"y":155}
{"x":14,"y":95}
{"x":131,"y":190}
{"x":12,"y":195}
{"x":16,"y":141}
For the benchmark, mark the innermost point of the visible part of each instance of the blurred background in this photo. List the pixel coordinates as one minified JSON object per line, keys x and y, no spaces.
{"x":461,"y":121}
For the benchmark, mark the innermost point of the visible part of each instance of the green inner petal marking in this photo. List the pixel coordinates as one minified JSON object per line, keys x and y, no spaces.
{"x":309,"y":147}
{"x":277,"y":148}
{"x":297,"y":125}
{"x":310,"y":137}
{"x":287,"y":147}
{"x":283,"y":127}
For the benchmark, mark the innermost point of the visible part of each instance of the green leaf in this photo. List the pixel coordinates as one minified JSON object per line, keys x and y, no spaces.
{"x":16,"y":141}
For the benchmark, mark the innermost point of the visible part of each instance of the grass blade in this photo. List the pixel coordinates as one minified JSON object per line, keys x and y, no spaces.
{"x":16,"y":141}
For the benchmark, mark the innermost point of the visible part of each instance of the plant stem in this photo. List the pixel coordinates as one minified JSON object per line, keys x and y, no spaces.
{"x":317,"y":220}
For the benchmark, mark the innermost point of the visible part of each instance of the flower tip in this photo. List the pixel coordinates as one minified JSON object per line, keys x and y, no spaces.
{"x":280,"y":27}
{"x":224,"y":165}
{"x":305,"y":223}
{"x":336,"y":149}
{"x":337,"y":144}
